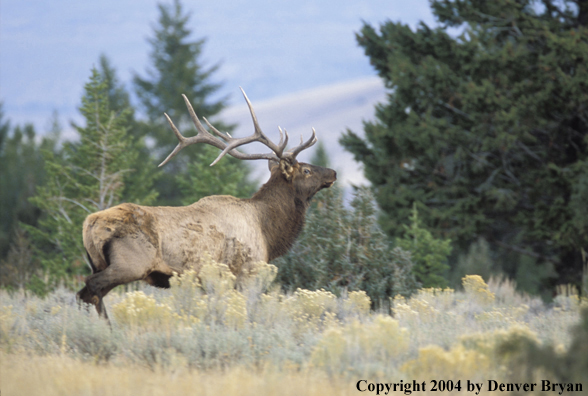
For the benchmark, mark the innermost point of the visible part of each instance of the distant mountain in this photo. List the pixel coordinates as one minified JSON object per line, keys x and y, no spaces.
{"x":330,"y":110}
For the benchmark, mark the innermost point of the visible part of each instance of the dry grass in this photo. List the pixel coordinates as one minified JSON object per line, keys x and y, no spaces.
{"x":64,"y":376}
{"x":22,"y":375}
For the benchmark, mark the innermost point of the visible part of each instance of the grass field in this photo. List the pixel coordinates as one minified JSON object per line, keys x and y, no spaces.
{"x":203,"y":337}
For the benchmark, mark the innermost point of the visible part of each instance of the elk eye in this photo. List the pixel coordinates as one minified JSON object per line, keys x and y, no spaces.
{"x":307,"y":171}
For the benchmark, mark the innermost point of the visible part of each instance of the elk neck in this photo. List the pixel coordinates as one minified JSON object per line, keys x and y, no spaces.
{"x":281,"y":212}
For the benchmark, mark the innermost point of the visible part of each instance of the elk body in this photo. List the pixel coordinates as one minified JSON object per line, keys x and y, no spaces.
{"x":131,"y":242}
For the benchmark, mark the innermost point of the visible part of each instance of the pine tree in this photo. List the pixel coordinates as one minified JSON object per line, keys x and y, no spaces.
{"x":487,"y":131}
{"x":91,"y":176}
{"x":320,"y":156}
{"x":118,"y":96}
{"x":201,"y":180}
{"x":22,"y":169}
{"x":428,"y":254}
{"x":343,"y":249}
{"x":177,"y":69}
{"x":139,"y":183}
{"x":19,"y":266}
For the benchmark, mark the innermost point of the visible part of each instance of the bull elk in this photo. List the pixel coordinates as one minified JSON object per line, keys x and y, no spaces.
{"x":131,"y":242}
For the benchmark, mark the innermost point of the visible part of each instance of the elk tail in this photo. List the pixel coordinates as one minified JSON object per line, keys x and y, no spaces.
{"x":96,"y":247}
{"x":92,"y":266}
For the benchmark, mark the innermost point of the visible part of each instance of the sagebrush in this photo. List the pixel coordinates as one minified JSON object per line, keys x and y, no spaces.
{"x":203,"y":322}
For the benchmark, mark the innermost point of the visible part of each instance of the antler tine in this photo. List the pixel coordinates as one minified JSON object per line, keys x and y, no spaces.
{"x":293,"y":152}
{"x":194,"y":117}
{"x":181,"y":139}
{"x":258,"y":136}
{"x":224,"y":135}
{"x":283,"y":143}
{"x":203,"y":136}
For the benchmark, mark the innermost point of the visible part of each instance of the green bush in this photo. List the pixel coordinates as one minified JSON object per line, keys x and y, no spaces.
{"x":428,"y":253}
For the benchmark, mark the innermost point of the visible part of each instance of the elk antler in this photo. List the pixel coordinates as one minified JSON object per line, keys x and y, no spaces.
{"x":229,"y":144}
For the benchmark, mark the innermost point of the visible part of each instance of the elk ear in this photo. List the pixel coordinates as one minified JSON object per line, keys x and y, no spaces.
{"x":271,"y":163}
{"x":287,"y":169}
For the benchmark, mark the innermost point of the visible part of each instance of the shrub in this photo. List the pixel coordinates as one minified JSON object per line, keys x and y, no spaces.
{"x":477,"y":289}
{"x":89,"y":337}
{"x":456,"y":363}
{"x":7,"y":322}
{"x":361,"y":348}
{"x":311,"y":310}
{"x":191,"y":326}
{"x":527,"y":358}
{"x":139,"y":309}
{"x":208,"y":296}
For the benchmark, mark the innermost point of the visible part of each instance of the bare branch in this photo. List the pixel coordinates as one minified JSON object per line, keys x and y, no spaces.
{"x":73,"y":201}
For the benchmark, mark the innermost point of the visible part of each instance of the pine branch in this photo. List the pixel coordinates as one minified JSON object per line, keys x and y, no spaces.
{"x":523,"y":251}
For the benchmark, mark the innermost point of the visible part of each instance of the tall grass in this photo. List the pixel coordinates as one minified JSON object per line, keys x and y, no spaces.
{"x":206,"y":329}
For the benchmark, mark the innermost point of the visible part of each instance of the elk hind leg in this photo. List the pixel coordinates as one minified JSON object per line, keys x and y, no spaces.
{"x":130,"y":259}
{"x":94,"y":298}
{"x":85,"y":295}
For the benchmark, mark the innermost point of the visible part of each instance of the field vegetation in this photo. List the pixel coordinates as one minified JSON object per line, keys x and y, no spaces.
{"x":477,"y":163}
{"x":206,"y":335}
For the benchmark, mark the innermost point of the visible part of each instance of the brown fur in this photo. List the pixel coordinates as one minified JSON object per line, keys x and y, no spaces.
{"x":130,"y":242}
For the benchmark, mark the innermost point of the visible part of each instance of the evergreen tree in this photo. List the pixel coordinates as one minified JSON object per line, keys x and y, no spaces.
{"x":177,"y":69}
{"x":139,"y":184}
{"x":343,"y":249}
{"x":91,"y":176}
{"x":118,"y":96}
{"x":428,"y":254}
{"x":320,"y":156}
{"x":19,"y":267}
{"x":477,"y":260}
{"x":201,"y":180}
{"x":4,"y":127}
{"x":486,"y":130}
{"x":21,"y":170}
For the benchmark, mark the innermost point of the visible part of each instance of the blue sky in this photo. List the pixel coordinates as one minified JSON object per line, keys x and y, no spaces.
{"x":271,"y":48}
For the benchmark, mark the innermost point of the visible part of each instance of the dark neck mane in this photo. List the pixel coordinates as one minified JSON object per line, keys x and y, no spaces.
{"x":281,"y":213}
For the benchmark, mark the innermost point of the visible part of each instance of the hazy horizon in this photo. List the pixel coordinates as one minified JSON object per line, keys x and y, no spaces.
{"x":271,"y":49}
